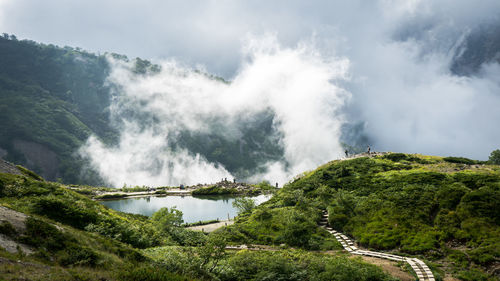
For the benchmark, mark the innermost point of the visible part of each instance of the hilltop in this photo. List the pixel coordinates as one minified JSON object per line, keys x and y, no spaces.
{"x":442,"y":209}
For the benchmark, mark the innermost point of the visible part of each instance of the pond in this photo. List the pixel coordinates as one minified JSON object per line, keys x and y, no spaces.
{"x":194,"y":209}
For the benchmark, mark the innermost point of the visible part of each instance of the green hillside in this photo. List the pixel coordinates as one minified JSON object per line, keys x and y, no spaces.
{"x":444,"y":210}
{"x":441,"y":210}
{"x":67,"y":236}
{"x":52,"y":99}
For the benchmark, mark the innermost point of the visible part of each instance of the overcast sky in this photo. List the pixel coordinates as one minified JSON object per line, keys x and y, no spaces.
{"x":210,"y":32}
{"x":398,"y":52}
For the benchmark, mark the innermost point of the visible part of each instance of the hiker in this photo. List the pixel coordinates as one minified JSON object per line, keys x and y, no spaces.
{"x":346,"y":153}
{"x":368,"y":149}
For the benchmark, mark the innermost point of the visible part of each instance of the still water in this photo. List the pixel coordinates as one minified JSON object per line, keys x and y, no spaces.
{"x":200,"y":208}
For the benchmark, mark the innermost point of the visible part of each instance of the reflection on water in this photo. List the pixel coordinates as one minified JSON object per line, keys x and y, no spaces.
{"x":194,"y":209}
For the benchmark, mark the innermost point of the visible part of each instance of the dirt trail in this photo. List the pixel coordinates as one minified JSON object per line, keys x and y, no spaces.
{"x":212,"y":226}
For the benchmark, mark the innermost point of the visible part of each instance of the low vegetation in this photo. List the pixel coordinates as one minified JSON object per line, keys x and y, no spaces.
{"x":233,"y":188}
{"x":442,"y":209}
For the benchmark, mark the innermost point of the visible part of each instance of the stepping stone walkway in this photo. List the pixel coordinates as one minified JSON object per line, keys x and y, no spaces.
{"x":421,"y":269}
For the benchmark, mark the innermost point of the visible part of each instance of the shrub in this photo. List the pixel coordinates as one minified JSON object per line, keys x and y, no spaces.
{"x":43,"y":235}
{"x":298,"y":231}
{"x":29,"y":173}
{"x":65,"y":210}
{"x":244,"y":205}
{"x":150,"y":273}
{"x":125,"y":232}
{"x":460,"y":160}
{"x":472,"y":275}
{"x":7,"y":229}
{"x":110,"y":196}
{"x":77,"y":255}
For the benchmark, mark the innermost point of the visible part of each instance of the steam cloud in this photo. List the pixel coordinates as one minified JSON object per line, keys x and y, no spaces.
{"x":393,"y":80}
{"x":297,"y":84}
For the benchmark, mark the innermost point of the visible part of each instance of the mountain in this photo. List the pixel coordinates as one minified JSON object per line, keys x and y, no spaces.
{"x":479,"y":47}
{"x":52,"y":99}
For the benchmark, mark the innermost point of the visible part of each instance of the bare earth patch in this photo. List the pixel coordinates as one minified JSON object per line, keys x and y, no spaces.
{"x":390,"y":267}
{"x":17,"y":220}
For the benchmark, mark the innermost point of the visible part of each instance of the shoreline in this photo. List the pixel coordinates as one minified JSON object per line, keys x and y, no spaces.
{"x":107,"y":196}
{"x":124,"y":195}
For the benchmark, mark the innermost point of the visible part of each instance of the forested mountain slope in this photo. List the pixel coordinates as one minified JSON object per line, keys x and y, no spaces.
{"x":52,"y":99}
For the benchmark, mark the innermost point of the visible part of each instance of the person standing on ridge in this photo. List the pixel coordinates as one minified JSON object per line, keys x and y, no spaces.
{"x":346,"y":153}
{"x":369,"y":149}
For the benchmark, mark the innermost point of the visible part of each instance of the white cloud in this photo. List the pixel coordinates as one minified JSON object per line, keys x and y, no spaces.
{"x":298,"y":84}
{"x":397,"y":54}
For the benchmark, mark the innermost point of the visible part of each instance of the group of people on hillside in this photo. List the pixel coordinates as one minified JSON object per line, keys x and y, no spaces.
{"x":347,"y":151}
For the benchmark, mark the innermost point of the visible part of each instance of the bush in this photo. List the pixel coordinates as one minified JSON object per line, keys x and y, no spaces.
{"x":110,"y":196}
{"x":298,"y":231}
{"x":7,"y":229}
{"x":460,"y":160}
{"x":43,"y":235}
{"x":125,"y":232}
{"x":166,"y":218}
{"x":244,"y":205}
{"x":77,"y":255}
{"x":65,"y":210}
{"x":150,"y":273}
{"x":214,"y":190}
{"x":472,"y":275}
{"x":297,"y":265}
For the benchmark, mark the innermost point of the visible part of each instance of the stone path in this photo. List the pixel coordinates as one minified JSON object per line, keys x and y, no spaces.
{"x":421,"y":269}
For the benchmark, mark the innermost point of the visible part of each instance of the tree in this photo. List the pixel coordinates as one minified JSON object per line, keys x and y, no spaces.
{"x":212,"y":252}
{"x":244,"y":205}
{"x":166,"y":218}
{"x":495,"y":157}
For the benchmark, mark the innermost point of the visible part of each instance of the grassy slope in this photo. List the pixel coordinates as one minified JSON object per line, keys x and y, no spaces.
{"x":79,"y":239}
{"x":74,"y":237}
{"x":54,"y":97}
{"x":444,"y":211}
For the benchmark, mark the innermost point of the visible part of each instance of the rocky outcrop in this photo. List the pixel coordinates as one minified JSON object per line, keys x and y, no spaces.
{"x":17,"y":221}
{"x":6,"y":167}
